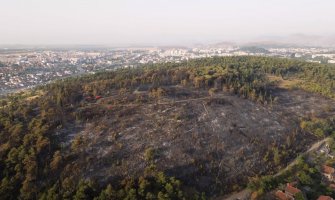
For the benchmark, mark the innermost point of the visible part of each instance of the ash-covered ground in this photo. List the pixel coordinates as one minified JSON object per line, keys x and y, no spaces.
{"x":214,"y":142}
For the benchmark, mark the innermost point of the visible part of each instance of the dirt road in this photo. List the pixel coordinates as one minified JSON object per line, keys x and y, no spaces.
{"x":314,"y":147}
{"x":246,"y":193}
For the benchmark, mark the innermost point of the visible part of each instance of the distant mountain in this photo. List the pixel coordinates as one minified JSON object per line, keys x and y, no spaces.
{"x":254,"y":49}
{"x":172,"y":47}
{"x":224,"y":44}
{"x":300,"y":40}
{"x":217,"y":45}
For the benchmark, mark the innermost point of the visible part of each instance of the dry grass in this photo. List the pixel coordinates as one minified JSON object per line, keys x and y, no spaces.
{"x":282,"y":83}
{"x":30,"y":97}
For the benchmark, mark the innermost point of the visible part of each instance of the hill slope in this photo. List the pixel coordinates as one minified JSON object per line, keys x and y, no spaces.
{"x":211,"y":123}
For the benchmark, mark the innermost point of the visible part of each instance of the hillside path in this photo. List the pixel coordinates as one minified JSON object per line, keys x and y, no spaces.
{"x":246,"y":193}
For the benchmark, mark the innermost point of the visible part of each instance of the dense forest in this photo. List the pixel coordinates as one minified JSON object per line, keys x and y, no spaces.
{"x":34,"y":164}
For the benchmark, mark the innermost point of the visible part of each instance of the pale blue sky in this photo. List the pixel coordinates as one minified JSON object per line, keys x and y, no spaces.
{"x":118,"y":22}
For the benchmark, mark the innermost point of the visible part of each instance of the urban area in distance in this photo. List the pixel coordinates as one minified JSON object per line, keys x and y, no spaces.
{"x":26,"y":68}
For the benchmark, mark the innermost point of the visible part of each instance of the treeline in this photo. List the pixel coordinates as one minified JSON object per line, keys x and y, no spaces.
{"x":157,"y":186}
{"x":248,"y":81}
{"x":245,"y":76}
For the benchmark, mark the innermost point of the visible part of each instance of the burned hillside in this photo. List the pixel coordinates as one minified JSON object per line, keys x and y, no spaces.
{"x":211,"y":142}
{"x":173,"y":130}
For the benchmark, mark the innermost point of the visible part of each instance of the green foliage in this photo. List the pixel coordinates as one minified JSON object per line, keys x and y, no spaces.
{"x":51,"y":194}
{"x":276,"y":156}
{"x":107,"y":194}
{"x":85,"y":190}
{"x":304,"y":178}
{"x":319,"y":127}
{"x":149,"y":154}
{"x":157,"y":186}
{"x":263,"y":184}
{"x":299,"y":196}
{"x":56,"y":161}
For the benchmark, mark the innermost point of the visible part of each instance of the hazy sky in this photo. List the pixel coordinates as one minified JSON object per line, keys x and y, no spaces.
{"x":122,"y":22}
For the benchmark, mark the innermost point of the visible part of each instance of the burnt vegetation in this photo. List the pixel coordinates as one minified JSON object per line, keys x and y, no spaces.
{"x":167,"y":131}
